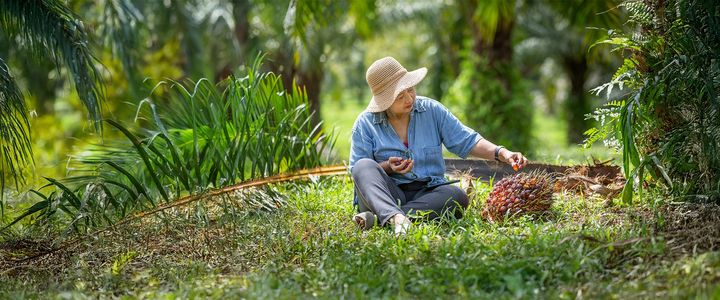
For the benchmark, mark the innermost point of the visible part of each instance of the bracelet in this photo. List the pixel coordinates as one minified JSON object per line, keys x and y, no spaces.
{"x":497,"y":152}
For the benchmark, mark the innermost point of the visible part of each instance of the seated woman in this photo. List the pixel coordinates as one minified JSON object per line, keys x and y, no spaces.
{"x":396,"y":154}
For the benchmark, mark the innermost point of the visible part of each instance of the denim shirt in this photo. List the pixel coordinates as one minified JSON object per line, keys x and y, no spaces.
{"x":431,"y":126}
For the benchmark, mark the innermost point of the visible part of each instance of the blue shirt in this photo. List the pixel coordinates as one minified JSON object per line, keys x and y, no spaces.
{"x":431,"y":126}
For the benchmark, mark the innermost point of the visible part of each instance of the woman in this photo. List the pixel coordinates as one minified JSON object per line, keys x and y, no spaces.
{"x":396,"y":154}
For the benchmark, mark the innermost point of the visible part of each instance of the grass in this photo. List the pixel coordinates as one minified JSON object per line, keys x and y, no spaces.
{"x":309,"y":248}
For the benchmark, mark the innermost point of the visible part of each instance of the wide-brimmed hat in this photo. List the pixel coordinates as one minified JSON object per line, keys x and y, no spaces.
{"x":387,"y":79}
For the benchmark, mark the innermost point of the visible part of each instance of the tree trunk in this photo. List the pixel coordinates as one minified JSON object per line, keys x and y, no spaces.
{"x":577,"y":104}
{"x":241,"y":14}
{"x":40,"y":85}
{"x":311,"y":80}
{"x":499,"y":50}
{"x":495,"y":106}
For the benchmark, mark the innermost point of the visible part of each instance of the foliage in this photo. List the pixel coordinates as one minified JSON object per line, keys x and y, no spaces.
{"x":50,"y":27}
{"x":493,"y":101}
{"x":44,"y":28}
{"x":668,"y":123}
{"x":15,"y":147}
{"x":196,"y":136}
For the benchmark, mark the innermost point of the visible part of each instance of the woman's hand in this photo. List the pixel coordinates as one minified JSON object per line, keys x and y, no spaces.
{"x":515,"y":159}
{"x":399,"y":165}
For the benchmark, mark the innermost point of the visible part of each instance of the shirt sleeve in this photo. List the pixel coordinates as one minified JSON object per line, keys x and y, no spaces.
{"x":360,"y":145}
{"x":457,"y":138}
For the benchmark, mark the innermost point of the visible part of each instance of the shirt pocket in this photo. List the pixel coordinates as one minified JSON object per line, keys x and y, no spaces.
{"x":434,"y":160}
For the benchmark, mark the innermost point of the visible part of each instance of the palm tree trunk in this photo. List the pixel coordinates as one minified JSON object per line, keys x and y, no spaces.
{"x":495,"y":106}
{"x":241,"y":14}
{"x":311,"y":80}
{"x":577,"y":104}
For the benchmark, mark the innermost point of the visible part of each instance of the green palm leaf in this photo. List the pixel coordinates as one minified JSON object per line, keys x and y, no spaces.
{"x":14,"y":136}
{"x":202,"y":136}
{"x":49,"y":26}
{"x":44,"y":27}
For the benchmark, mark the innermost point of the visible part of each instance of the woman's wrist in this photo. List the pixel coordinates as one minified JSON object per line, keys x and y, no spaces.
{"x":498,"y":150}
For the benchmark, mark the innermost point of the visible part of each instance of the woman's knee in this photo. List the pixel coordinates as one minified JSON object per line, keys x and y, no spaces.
{"x":458,"y":196}
{"x":364,"y":165}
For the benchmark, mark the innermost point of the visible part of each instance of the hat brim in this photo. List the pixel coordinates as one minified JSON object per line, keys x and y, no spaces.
{"x":385,"y":99}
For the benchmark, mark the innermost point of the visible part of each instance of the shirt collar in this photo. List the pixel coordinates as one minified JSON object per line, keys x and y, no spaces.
{"x":419,"y":107}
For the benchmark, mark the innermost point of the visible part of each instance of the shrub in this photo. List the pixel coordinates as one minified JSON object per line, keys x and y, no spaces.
{"x":667,"y":122}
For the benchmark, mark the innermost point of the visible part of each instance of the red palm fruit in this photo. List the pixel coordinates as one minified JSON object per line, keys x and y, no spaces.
{"x":519,"y":194}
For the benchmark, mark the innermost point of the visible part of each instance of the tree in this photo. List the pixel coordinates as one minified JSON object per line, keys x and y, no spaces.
{"x":564,"y":31}
{"x":667,"y":119}
{"x":315,"y":28}
{"x":489,"y":85}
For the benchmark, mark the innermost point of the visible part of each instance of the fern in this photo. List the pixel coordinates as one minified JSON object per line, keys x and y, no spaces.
{"x":639,"y":11}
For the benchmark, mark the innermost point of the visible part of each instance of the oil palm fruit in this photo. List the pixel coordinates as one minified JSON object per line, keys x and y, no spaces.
{"x":520,"y":194}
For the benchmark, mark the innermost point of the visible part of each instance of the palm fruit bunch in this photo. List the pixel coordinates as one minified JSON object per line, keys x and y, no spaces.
{"x":520,"y":194}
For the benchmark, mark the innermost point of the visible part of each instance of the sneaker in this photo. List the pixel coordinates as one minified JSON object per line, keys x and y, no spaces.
{"x":401,"y":224}
{"x":365,"y":220}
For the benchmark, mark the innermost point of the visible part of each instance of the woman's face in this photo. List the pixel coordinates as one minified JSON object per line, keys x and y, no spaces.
{"x":404,"y":102}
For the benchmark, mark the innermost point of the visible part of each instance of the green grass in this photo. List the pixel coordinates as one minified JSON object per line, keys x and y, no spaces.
{"x":309,"y":248}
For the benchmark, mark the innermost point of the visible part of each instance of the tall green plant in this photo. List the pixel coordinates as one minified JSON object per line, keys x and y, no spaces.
{"x":668,"y":123}
{"x":188,"y":137}
{"x":490,"y":106}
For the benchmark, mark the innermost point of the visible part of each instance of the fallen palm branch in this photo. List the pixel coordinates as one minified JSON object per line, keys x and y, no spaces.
{"x":302,"y":174}
{"x":321,"y":171}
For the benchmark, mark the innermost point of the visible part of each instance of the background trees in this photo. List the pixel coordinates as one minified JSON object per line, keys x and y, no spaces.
{"x":496,"y":102}
{"x":484,"y":57}
{"x":564,"y":31}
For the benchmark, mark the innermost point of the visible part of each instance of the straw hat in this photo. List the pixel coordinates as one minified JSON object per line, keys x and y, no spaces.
{"x":387,"y":78}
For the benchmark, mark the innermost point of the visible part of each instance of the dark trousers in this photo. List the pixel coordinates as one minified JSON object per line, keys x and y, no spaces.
{"x":377,"y":192}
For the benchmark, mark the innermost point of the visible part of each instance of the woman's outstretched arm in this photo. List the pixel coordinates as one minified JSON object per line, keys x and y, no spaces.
{"x":486,"y":150}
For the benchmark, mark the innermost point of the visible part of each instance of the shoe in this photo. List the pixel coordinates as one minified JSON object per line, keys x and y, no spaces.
{"x":365,"y":220}
{"x":401,"y":224}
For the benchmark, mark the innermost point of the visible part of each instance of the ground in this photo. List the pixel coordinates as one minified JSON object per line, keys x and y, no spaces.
{"x":308,"y":247}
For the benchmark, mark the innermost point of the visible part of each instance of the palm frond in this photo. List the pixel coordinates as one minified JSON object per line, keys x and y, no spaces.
{"x":119,"y":25}
{"x":14,"y":135}
{"x":50,"y":27}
